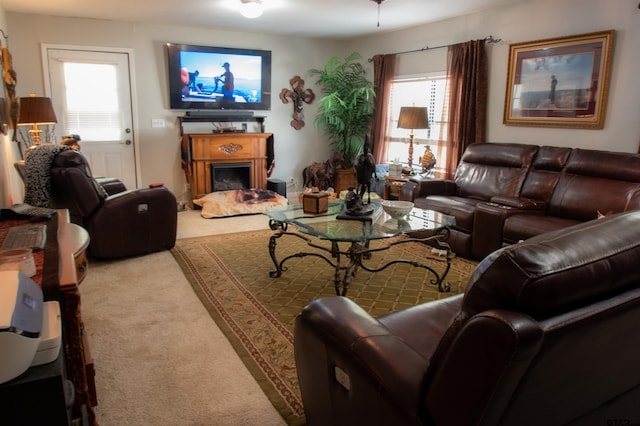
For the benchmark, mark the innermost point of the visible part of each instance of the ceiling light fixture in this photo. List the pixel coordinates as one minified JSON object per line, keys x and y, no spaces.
{"x":251,"y":8}
{"x":378,"y":1}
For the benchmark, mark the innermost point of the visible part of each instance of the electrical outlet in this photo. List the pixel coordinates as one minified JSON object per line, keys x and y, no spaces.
{"x":187,"y":187}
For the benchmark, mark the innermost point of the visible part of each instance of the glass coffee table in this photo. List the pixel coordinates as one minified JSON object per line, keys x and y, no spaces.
{"x":350,"y":237}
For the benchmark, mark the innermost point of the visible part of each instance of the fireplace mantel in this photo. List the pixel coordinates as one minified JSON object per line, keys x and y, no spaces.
{"x":203,"y":150}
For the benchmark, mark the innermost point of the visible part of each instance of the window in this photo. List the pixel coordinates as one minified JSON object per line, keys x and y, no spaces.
{"x":424,"y":90}
{"x":91,"y":95}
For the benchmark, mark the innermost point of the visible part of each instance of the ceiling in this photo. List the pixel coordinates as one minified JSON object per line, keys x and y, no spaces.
{"x":311,"y":18}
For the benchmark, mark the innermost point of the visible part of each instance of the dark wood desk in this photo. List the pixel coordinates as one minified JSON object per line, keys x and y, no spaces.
{"x":63,"y":267}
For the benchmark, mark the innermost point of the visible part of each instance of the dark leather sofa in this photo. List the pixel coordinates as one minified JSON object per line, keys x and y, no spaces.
{"x":546,"y":333}
{"x":120,"y":222}
{"x":502,"y":193}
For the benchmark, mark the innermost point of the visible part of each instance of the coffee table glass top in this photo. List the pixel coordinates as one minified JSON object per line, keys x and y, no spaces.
{"x":327,"y":226}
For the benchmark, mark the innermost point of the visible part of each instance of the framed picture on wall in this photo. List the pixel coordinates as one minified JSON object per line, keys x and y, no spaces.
{"x":5,"y":122}
{"x":559,"y":82}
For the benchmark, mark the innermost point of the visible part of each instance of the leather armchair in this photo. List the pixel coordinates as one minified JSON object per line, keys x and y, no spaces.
{"x":120,"y":222}
{"x":547,"y":332}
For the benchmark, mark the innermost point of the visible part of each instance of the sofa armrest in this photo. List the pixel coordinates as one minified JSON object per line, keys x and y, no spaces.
{"x":350,"y":366}
{"x":423,"y":188}
{"x":519,"y":203}
{"x":488,"y":222}
{"x":111,"y":186}
{"x":133,"y":222}
{"x":159,"y":204}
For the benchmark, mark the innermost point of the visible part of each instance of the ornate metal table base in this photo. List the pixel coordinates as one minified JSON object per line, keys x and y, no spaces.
{"x":355,"y":254}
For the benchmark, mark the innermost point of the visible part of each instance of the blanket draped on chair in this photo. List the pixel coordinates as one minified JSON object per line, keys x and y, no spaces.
{"x":37,"y":166}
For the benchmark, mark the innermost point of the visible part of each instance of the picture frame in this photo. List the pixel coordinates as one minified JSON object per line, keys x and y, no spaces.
{"x":559,"y":82}
{"x":5,"y":119}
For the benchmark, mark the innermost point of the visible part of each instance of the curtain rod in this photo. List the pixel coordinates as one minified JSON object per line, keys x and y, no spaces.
{"x":488,"y":39}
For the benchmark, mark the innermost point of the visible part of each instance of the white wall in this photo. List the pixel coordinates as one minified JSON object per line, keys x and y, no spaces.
{"x":527,"y":21}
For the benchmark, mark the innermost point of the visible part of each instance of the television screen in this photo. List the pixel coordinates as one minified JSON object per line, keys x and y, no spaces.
{"x":207,"y":77}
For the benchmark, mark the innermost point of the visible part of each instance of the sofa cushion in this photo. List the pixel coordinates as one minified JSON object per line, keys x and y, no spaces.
{"x":545,"y":172}
{"x":423,"y":325}
{"x":487,"y":170}
{"x":523,"y":226}
{"x":463,"y":209}
{"x":613,"y":176}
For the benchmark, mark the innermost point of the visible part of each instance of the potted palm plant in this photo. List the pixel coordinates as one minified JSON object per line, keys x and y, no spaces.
{"x":345,"y":109}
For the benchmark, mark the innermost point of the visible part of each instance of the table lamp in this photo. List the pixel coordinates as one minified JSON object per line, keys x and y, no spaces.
{"x":36,"y":111}
{"x":412,"y":118}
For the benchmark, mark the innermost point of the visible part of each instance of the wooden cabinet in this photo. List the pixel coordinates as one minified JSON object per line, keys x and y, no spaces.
{"x":205,"y":150}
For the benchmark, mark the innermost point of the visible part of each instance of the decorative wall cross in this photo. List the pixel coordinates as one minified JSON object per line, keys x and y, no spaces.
{"x":298,"y":94}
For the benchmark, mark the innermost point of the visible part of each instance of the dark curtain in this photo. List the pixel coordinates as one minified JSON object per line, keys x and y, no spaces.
{"x":383,"y":71}
{"x":467,"y":76}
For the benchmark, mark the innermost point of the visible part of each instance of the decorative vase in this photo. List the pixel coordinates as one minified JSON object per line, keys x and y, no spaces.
{"x":344,"y":179}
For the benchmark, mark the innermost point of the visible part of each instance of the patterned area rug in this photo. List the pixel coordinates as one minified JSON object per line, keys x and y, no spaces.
{"x":230,"y":275}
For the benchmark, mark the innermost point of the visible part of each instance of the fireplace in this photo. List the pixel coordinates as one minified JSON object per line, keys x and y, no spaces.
{"x":204,"y":151}
{"x":226,"y":176}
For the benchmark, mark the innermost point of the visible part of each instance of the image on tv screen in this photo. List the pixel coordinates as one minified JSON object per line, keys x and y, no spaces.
{"x":221,"y":77}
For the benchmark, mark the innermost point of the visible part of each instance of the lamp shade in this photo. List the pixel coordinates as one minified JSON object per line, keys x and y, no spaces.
{"x":413,"y":118}
{"x":36,"y":110}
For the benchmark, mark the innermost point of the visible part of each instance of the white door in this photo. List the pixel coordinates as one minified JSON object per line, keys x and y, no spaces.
{"x":91,"y":94}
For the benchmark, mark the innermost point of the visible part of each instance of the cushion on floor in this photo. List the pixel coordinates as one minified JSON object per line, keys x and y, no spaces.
{"x":238,"y":201}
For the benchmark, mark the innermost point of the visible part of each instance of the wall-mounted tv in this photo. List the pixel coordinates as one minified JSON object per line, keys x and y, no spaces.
{"x":208,"y":77}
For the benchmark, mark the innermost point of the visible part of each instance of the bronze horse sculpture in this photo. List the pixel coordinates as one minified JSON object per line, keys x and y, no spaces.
{"x":365,"y":170}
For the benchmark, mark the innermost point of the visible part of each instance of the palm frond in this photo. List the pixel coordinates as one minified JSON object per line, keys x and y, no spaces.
{"x":346,"y":108}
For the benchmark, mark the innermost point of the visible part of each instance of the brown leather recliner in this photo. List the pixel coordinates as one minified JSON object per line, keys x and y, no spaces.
{"x":485,"y":171}
{"x":120,"y":223}
{"x":547,"y":333}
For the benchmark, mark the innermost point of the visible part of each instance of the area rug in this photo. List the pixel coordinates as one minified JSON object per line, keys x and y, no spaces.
{"x":230,"y":275}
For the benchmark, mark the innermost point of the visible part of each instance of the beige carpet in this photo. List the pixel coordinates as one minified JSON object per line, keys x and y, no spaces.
{"x":160,"y":359}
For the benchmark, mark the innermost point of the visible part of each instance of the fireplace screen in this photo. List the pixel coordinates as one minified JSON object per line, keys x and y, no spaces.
{"x":230,"y":176}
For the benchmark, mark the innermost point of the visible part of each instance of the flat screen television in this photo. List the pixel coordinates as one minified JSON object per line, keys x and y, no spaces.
{"x":210,"y":78}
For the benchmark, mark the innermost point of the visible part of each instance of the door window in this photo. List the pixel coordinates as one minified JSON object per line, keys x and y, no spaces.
{"x":91,"y":100}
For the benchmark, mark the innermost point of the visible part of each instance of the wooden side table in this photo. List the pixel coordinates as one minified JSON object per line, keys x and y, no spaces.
{"x":393,"y":186}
